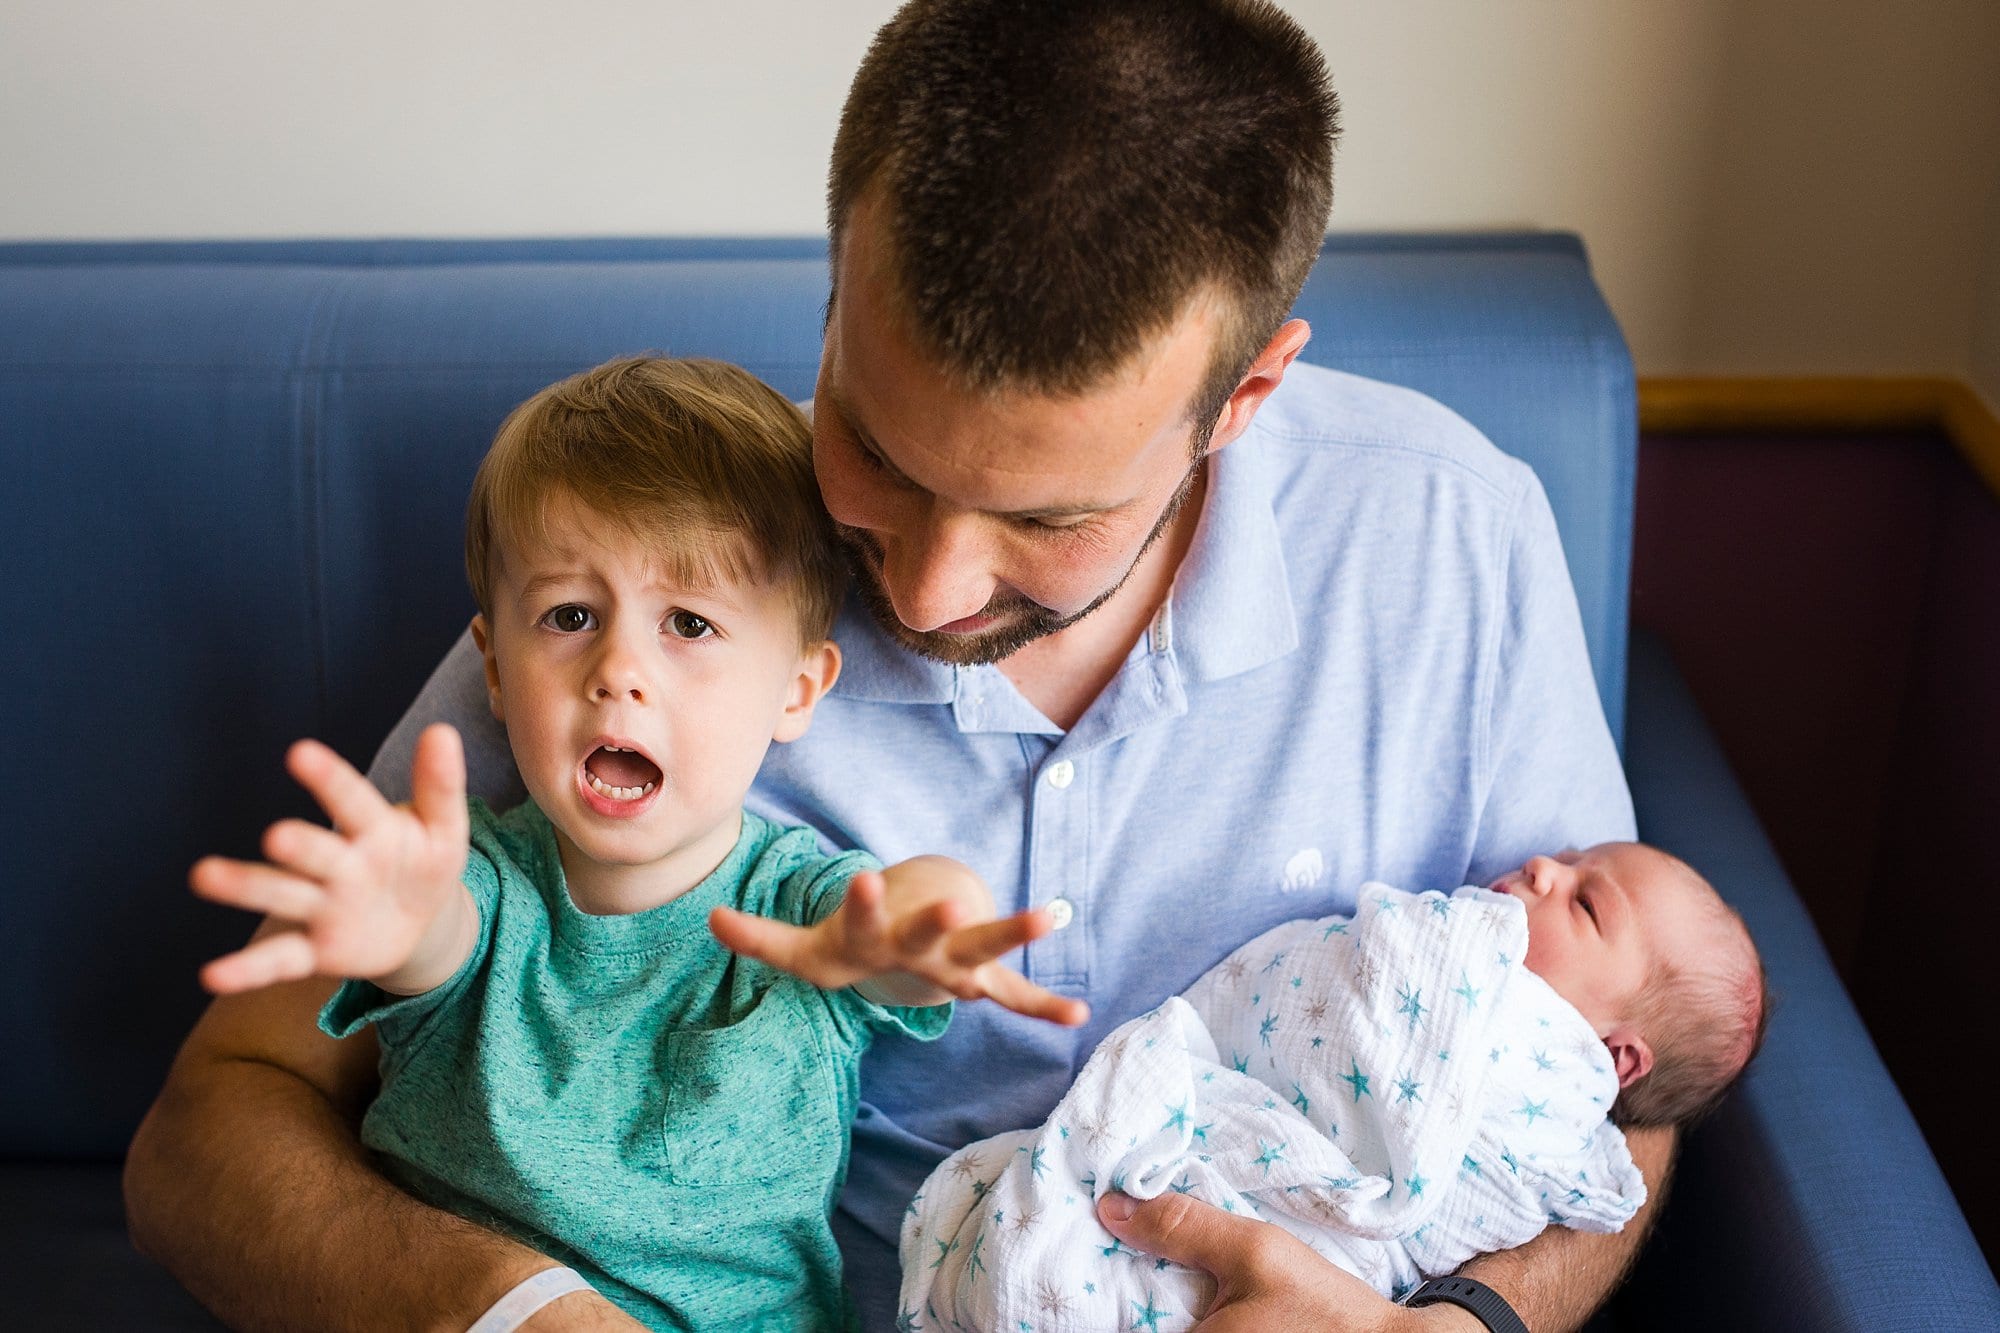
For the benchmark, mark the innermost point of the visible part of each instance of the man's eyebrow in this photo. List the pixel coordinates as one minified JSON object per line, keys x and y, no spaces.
{"x":866,"y":442}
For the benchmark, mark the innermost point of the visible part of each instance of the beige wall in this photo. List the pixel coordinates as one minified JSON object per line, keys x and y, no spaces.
{"x":1766,"y":185}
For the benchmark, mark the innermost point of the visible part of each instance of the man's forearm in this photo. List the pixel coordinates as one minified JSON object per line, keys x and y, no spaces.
{"x":1558,"y":1280}
{"x":247,"y":1182}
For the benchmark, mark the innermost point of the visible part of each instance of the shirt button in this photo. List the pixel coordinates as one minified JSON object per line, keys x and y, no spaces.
{"x":1061,"y":913}
{"x":1061,"y":774}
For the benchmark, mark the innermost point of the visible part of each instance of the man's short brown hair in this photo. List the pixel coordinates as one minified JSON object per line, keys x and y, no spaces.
{"x":700,"y":462}
{"x":1058,"y":182}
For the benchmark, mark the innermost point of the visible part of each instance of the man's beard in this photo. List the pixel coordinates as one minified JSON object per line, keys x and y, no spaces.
{"x":1024,"y":621}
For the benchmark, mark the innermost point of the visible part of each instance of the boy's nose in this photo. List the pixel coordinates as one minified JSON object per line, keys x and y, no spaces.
{"x":619,"y":676}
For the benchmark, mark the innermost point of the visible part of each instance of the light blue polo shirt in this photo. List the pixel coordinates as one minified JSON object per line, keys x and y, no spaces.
{"x":1371,"y":666}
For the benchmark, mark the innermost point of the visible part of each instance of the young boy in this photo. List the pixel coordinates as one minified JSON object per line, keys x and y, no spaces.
{"x":568,"y":1054}
{"x":1402,"y":1089}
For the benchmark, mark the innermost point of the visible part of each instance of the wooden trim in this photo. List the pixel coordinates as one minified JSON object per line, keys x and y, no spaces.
{"x":1829,"y":403}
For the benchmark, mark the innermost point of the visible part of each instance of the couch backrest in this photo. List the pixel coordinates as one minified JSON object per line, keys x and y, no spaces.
{"x":232,"y":478}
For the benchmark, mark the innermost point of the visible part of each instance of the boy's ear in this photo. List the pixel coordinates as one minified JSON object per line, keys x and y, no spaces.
{"x":1631,"y":1055}
{"x":483,"y":637}
{"x":819,"y":667}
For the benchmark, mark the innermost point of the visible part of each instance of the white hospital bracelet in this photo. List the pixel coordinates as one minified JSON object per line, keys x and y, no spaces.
{"x":517,"y":1306}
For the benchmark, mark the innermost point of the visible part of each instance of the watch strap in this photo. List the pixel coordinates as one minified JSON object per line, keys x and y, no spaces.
{"x":1486,"y":1304}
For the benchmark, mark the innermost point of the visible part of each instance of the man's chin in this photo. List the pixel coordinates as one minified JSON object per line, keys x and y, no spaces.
{"x":1019,"y":625}
{"x":977,"y":649}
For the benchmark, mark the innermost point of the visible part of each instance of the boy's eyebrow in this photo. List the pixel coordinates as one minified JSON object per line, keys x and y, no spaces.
{"x":533,"y":587}
{"x":867,"y":444}
{"x":717,"y":590}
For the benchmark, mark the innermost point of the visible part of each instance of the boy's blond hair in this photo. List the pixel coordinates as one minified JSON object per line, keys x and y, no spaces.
{"x":701,"y":462}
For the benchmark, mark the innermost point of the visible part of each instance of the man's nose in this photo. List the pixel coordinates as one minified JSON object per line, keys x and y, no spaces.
{"x":939,"y":572}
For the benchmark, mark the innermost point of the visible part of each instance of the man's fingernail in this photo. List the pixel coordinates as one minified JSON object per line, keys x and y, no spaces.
{"x":1118,"y":1207}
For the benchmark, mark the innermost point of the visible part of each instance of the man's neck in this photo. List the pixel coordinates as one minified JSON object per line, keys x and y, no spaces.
{"x":1063,"y":674}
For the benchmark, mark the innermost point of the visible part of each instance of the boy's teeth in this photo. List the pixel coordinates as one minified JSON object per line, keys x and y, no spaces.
{"x":603,"y":788}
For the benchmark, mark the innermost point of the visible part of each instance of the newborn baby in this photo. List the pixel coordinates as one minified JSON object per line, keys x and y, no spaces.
{"x":1434,"y":1077}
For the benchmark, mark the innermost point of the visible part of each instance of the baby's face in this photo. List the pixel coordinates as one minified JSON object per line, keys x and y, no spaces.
{"x":1597,"y":919}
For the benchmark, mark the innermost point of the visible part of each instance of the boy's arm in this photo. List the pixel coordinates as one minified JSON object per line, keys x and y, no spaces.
{"x":248,"y":1182}
{"x":379,"y":896}
{"x":919,"y":933}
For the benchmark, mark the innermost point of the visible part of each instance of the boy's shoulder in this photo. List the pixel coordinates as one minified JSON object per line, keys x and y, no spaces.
{"x":787,"y":873}
{"x":518,"y":839}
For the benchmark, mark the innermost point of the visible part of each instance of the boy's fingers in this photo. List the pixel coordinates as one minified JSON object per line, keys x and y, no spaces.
{"x":255,"y":888}
{"x":349,"y":799}
{"x":285,"y":956}
{"x":1013,"y":991}
{"x":923,"y":928}
{"x":786,"y":947}
{"x":437,"y":780}
{"x":305,"y":849}
{"x":988,"y":940}
{"x":866,"y":917}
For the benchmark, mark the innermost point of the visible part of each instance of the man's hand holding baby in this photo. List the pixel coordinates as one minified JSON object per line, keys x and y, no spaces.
{"x":921,"y":932}
{"x":378,"y":896}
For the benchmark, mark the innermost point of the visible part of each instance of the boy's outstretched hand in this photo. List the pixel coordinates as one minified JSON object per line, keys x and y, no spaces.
{"x":918,"y":933}
{"x":377,"y":896}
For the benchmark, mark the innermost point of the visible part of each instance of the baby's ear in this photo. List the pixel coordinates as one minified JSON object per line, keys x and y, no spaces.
{"x":1631,"y":1055}
{"x":818,"y":668}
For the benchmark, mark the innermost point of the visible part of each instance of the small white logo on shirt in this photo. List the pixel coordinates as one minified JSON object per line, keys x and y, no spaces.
{"x":1304,"y":870}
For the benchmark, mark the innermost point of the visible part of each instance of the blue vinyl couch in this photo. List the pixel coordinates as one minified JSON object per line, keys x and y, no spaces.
{"x":231,"y":484}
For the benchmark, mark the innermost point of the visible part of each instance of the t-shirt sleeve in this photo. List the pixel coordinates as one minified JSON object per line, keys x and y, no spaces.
{"x":401,"y":1020}
{"x":815,"y":892}
{"x":1553,"y":775}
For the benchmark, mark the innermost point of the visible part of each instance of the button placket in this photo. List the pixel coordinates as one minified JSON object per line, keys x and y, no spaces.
{"x":1059,"y":866}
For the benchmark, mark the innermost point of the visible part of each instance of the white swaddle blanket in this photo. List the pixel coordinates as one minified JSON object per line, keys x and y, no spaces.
{"x":1393,"y":1088}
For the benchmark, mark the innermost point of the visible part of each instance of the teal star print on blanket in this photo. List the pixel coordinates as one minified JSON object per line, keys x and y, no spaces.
{"x":1394,"y":1088}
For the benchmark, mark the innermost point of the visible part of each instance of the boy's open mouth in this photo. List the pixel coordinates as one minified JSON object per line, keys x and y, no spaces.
{"x":620,"y":774}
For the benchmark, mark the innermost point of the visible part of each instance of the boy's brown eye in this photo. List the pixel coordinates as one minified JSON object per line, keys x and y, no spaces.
{"x":688,"y":625}
{"x":569,"y":619}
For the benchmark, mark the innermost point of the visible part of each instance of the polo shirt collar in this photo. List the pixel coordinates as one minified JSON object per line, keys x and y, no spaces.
{"x":876,"y":669}
{"x":1231,"y":607}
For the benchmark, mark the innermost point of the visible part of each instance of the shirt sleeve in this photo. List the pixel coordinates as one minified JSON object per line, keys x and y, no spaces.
{"x":815,"y":892}
{"x":1551,"y":770}
{"x":403,"y":1020}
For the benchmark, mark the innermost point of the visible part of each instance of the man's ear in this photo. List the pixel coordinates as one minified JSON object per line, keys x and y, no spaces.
{"x":1263,"y":377}
{"x":483,"y":637}
{"x":1631,"y":1055}
{"x":819,"y":667}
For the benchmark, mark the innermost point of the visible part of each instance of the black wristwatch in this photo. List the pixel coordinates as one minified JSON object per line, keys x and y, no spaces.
{"x":1485,"y":1303}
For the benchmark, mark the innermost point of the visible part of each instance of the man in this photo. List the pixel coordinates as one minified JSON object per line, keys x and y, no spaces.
{"x":1156,"y":628}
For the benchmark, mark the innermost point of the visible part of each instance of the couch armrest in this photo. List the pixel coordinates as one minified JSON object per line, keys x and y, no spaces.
{"x":1810,"y":1200}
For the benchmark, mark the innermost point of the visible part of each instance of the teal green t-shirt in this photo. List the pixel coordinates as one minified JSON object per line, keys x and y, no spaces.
{"x":626,"y":1095}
